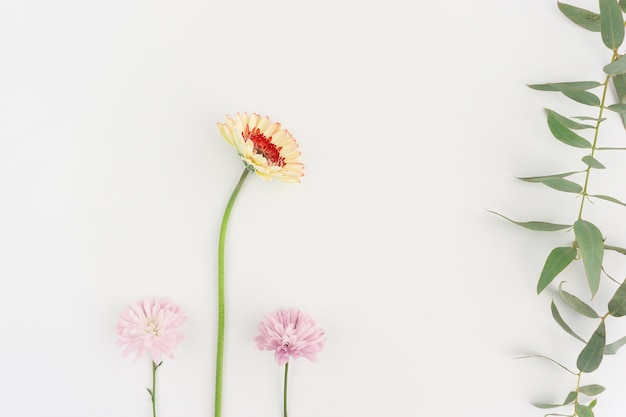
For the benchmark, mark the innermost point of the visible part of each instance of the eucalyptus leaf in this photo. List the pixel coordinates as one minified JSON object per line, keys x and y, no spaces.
{"x":591,"y":246}
{"x":608,"y":198}
{"x":583,"y":97}
{"x":577,"y":304}
{"x":565,"y":135}
{"x":572,"y":124}
{"x":557,"y":261}
{"x":592,"y":162}
{"x":611,"y":24}
{"x":622,"y":5}
{"x":591,"y":390}
{"x":595,"y":119}
{"x":571,"y":396}
{"x":593,"y":403}
{"x":612,"y":348}
{"x":617,"y":304}
{"x":584,"y":18}
{"x":616,"y":67}
{"x":542,"y":178}
{"x":535,"y":225}
{"x":619,"y":83}
{"x":572,"y":85}
{"x":561,"y":184}
{"x":591,"y":356}
{"x":617,"y":108}
{"x":546,"y":406}
{"x":557,"y":317}
{"x":548,"y":359}
{"x":583,"y":411}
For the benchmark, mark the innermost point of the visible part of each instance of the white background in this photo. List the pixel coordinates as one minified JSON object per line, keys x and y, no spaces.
{"x":413,"y":118}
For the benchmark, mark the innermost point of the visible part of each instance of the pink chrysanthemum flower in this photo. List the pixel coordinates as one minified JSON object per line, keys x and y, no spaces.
{"x":264,"y":147}
{"x":291,"y":333}
{"x":150,"y":325}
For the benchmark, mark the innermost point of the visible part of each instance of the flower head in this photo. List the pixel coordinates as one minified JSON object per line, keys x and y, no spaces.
{"x":291,"y":333}
{"x":150,"y":325}
{"x":266,"y":149}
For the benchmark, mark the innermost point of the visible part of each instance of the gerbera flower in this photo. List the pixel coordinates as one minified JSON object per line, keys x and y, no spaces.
{"x":291,"y":334}
{"x":150,"y":325}
{"x":266,"y":149}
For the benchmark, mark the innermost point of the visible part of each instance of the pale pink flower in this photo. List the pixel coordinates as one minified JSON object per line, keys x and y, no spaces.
{"x":150,"y":325}
{"x":291,"y":333}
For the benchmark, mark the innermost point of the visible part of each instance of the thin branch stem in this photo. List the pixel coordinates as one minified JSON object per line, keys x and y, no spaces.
{"x":595,"y":139}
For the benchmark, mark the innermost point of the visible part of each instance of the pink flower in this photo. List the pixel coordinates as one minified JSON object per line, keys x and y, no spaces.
{"x":291,"y":333}
{"x":150,"y":325}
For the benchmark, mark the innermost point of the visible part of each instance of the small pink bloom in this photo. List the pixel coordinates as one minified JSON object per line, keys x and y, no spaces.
{"x":291,"y":333}
{"x":150,"y":325}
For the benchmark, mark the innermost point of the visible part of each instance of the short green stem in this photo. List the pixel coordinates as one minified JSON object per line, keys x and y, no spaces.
{"x":153,"y":392}
{"x":219,"y":362}
{"x":285,"y":390}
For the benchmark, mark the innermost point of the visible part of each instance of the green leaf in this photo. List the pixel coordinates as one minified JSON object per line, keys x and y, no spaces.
{"x":595,"y":119}
{"x":565,"y":135}
{"x":591,"y":390}
{"x":546,"y":406}
{"x":591,"y":246}
{"x":593,"y":403}
{"x":570,"y":398}
{"x":548,"y":359}
{"x":608,"y":198}
{"x":537,"y":226}
{"x":592,"y":162}
{"x":583,"y":411}
{"x":559,"y":184}
{"x":572,"y":124}
{"x":616,"y":67}
{"x":573,"y":85}
{"x":557,"y":317}
{"x":583,"y":97}
{"x":617,"y":108}
{"x":617,"y":304}
{"x":577,"y":304}
{"x":612,"y":348}
{"x":591,"y":356}
{"x":557,"y":261}
{"x":585,"y":18}
{"x":611,"y":24}
{"x":619,"y":83}
{"x":622,"y":5}
{"x":541,"y":178}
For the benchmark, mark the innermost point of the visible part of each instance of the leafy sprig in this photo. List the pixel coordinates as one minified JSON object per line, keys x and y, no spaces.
{"x":589,"y":243}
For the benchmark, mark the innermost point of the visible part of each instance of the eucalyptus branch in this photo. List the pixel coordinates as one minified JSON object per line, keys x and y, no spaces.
{"x":588,"y":244}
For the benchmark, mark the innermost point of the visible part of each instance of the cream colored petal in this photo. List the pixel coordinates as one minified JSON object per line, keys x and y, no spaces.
{"x":263,"y":124}
{"x":279,"y":137}
{"x":253,"y":120}
{"x":269,"y":130}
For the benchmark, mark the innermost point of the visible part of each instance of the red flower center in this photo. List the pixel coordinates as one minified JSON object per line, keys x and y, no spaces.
{"x":264,"y":146}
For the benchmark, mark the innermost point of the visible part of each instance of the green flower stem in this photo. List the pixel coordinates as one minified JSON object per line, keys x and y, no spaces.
{"x":285,"y":390}
{"x":219,"y":362}
{"x":153,"y":392}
